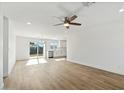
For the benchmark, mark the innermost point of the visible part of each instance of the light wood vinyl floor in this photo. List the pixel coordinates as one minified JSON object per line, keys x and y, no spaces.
{"x":60,"y":74}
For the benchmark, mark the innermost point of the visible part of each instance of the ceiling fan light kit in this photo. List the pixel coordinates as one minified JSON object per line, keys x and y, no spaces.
{"x":66,"y":24}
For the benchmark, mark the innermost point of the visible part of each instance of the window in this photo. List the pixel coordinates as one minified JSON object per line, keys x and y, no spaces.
{"x":54,"y":44}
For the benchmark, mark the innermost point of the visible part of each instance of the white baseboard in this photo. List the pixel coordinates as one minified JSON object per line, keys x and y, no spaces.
{"x":93,"y":66}
{"x":74,"y":61}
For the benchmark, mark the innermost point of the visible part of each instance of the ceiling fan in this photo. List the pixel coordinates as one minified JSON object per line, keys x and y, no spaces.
{"x":71,"y":16}
{"x":68,"y":21}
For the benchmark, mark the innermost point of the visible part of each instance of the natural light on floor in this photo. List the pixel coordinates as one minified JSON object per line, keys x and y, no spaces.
{"x":60,"y":59}
{"x":36,"y":61}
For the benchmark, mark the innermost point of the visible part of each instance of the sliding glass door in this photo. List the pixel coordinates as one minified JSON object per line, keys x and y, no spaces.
{"x":36,"y":49}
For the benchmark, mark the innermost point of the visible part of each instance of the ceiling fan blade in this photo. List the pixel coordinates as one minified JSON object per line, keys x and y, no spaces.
{"x":58,"y":24}
{"x":72,"y":18}
{"x":78,"y":24}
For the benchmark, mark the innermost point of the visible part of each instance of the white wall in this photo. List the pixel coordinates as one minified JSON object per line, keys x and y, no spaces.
{"x":1,"y":48}
{"x":100,"y":46}
{"x":8,"y":46}
{"x":12,"y":45}
{"x":5,"y":45}
{"x":23,"y":47}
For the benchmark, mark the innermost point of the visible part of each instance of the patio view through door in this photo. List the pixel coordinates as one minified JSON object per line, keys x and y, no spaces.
{"x":36,"y":49}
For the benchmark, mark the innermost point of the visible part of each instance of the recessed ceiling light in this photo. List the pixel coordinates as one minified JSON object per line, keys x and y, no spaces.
{"x":28,"y":23}
{"x":121,"y":10}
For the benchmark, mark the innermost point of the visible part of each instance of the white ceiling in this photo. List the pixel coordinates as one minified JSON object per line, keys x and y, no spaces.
{"x":41,"y":16}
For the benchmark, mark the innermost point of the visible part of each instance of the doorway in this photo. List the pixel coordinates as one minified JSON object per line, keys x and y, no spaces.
{"x":37,"y":49}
